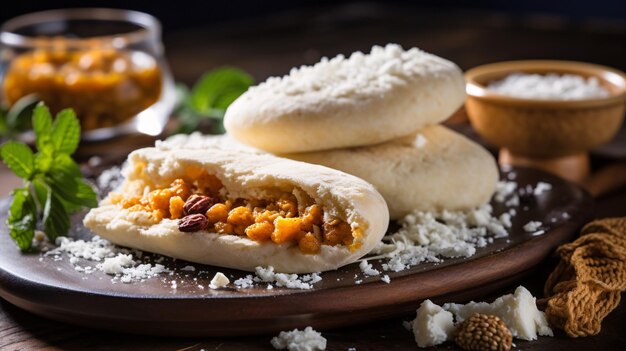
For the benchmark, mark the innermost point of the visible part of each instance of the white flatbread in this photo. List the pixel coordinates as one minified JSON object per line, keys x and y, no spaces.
{"x":344,"y":102}
{"x":245,"y":175}
{"x":434,"y":169}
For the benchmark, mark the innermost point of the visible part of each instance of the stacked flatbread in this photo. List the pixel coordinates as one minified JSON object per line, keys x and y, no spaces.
{"x":371,"y":119}
{"x":375,"y":116}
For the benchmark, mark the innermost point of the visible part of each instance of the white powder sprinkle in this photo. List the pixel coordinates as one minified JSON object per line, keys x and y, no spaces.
{"x":299,"y":340}
{"x":549,"y":86}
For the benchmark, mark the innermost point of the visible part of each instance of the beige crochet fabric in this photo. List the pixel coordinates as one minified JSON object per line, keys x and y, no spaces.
{"x":588,"y":281}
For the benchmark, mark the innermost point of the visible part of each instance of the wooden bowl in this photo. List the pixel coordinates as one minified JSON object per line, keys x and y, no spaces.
{"x":545,"y":133}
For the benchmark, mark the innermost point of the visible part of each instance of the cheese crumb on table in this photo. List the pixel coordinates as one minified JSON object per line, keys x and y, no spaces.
{"x":433,"y":325}
{"x":299,"y":340}
{"x":518,"y":311}
{"x":219,"y":281}
{"x":549,"y":86}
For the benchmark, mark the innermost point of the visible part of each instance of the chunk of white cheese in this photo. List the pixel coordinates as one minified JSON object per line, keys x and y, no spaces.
{"x":219,"y":281}
{"x":433,"y":325}
{"x":518,"y":311}
{"x":299,"y":340}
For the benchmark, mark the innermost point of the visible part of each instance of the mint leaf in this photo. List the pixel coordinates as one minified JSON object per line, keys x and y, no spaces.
{"x":65,"y":164}
{"x":22,"y":218}
{"x":66,"y":132}
{"x":66,"y":180}
{"x":43,"y":162}
{"x":72,"y":190}
{"x":19,"y":158}
{"x":218,"y":88}
{"x":55,"y":218}
{"x":42,"y":126}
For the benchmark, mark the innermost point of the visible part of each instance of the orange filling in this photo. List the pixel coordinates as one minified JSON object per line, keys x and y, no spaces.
{"x":104,"y":86}
{"x":281,"y":220}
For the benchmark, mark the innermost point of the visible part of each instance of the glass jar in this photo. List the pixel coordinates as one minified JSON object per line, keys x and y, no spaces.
{"x":108,"y":65}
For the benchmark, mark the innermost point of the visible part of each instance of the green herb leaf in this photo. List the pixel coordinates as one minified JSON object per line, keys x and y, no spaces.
{"x":218,"y":88}
{"x":72,"y":190}
{"x":22,"y":218}
{"x":66,"y":132}
{"x":19,"y":158}
{"x":55,"y":218}
{"x":19,"y":115}
{"x":42,"y":126}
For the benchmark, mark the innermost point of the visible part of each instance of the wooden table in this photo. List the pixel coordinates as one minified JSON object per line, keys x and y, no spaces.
{"x":269,"y":47}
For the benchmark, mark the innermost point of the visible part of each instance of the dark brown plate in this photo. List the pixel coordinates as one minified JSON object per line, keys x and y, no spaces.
{"x":54,"y":289}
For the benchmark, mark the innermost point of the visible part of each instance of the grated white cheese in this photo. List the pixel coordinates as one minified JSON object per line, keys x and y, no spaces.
{"x":114,"y":265}
{"x":244,"y":282}
{"x":367,"y":268}
{"x":113,"y":260}
{"x":428,"y":236}
{"x":299,"y":340}
{"x":532,"y":226}
{"x":549,"y":86}
{"x":219,"y":281}
{"x":542,"y":187}
{"x":385,"y":278}
{"x":110,"y":179}
{"x":359,"y":74}
{"x":188,"y":269}
{"x":290,"y":281}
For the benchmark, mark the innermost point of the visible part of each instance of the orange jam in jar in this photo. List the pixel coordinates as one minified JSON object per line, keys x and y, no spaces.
{"x":104,"y":86}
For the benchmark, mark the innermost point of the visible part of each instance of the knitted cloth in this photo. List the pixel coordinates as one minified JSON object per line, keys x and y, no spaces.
{"x":588,"y":281}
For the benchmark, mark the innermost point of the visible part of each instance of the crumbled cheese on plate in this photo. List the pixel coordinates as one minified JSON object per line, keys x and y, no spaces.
{"x":219,"y":281}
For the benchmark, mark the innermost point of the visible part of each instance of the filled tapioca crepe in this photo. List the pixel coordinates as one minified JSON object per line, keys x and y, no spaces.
{"x":240,"y":210}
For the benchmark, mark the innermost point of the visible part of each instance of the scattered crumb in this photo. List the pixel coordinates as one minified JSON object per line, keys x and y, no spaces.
{"x":188,"y":268}
{"x":386,"y":279}
{"x":219,"y":281}
{"x":299,"y":340}
{"x":532,"y":226}
{"x":542,"y":187}
{"x":367,"y":269}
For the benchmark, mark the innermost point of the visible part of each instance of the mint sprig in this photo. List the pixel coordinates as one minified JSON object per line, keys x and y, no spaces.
{"x":53,"y":185}
{"x":209,"y":98}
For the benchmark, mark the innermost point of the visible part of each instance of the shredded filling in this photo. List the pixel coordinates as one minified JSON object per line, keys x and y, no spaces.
{"x":203,"y":203}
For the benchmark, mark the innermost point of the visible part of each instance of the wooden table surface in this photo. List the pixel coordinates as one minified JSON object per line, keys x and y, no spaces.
{"x":269,"y":47}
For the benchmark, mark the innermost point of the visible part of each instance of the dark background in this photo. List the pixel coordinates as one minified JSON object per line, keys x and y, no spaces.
{"x":267,"y":37}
